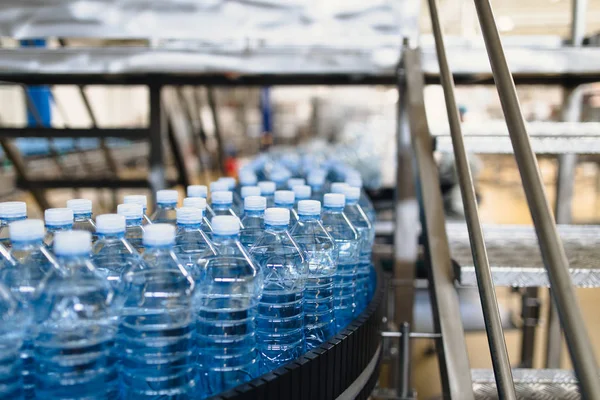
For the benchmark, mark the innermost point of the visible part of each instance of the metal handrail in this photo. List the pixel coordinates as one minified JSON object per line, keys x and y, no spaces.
{"x":553,"y":253}
{"x":485,"y":283}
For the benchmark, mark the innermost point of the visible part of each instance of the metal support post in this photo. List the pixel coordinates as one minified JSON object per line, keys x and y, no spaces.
{"x":530,"y":316}
{"x":553,"y":253}
{"x":156,"y":164}
{"x":485,"y":283}
{"x":404,"y":362}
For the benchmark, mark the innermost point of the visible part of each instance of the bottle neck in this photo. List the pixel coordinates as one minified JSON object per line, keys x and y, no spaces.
{"x":352,"y":202}
{"x":8,"y":220}
{"x":289,"y":206}
{"x":111,"y":235}
{"x":166,"y":206}
{"x":333,"y":210}
{"x":133,"y":221}
{"x":58,"y":228}
{"x":25,"y":244}
{"x":275,"y":228}
{"x":82,"y":216}
{"x":190,"y":225}
{"x":254,"y":213}
{"x":221,"y":206}
{"x":316,"y":188}
{"x":69,"y":259}
{"x":309,"y":217}
{"x":158,"y":247}
{"x":218,"y":238}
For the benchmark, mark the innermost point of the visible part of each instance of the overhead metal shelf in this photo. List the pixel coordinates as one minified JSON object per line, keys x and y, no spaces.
{"x":515,"y":256}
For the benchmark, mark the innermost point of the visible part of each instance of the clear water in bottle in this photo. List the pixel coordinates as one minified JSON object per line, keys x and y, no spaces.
{"x":347,"y":243}
{"x":228,"y":290}
{"x":73,"y":348}
{"x":366,"y":233}
{"x":267,"y":190}
{"x":166,"y":203}
{"x":222,"y":203}
{"x":10,"y":211}
{"x":192,"y":245}
{"x":57,"y":220}
{"x":134,"y":220}
{"x":286,"y":199}
{"x":29,"y":266}
{"x":82,"y":215}
{"x":280,"y":320}
{"x":253,"y":221}
{"x":14,"y":323}
{"x":142,"y":200}
{"x":364,"y":201}
{"x":321,"y":256}
{"x":200,"y":203}
{"x":156,"y":328}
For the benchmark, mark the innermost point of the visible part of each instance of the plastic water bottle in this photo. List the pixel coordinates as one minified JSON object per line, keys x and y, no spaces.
{"x":57,"y":220}
{"x":142,"y":200}
{"x":253,"y":220}
{"x":200,"y":203}
{"x":112,"y":254}
{"x":218,"y":186}
{"x":222,"y":203}
{"x":364,"y":201}
{"x":247,"y":178}
{"x":25,"y":277}
{"x":249,"y":191}
{"x":227,"y":293}
{"x":267,"y":190}
{"x":238,"y":204}
{"x":14,"y":324}
{"x":192,"y":245}
{"x":280,"y":176}
{"x":134,"y":230}
{"x":292,"y":182}
{"x":360,"y":221}
{"x":286,"y":199}
{"x":316,"y":181}
{"x":166,"y":203}
{"x":321,"y":255}
{"x":301,"y":192}
{"x":73,"y":349}
{"x":339,"y":187}
{"x":280,"y":320}
{"x":10,"y":211}
{"x":82,"y":215}
{"x":347,"y":243}
{"x":155,"y":333}
{"x":202,"y":192}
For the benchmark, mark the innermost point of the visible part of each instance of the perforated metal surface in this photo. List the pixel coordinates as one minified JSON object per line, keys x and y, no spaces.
{"x":530,"y":384}
{"x":515,"y":256}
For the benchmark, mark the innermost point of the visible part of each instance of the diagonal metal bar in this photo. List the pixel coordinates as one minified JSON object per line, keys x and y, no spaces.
{"x":553,"y":253}
{"x":485,"y":283}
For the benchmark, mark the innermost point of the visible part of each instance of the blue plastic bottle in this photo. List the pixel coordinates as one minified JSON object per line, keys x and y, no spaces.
{"x":73,"y":349}
{"x":316,"y":181}
{"x":202,"y":192}
{"x":321,"y":255}
{"x":293,"y":182}
{"x":267,"y":190}
{"x":166,"y":203}
{"x":347,"y":244}
{"x":112,"y":254}
{"x":134,"y":230}
{"x":10,"y":211}
{"x":14,"y":324}
{"x":222,"y":203}
{"x":227,"y":293}
{"x":253,"y":221}
{"x":200,"y":203}
{"x":192,"y":245}
{"x":364,"y":201}
{"x":301,"y":192}
{"x":155,"y":334}
{"x":82,"y":216}
{"x":280,"y":320}
{"x":25,"y":275}
{"x":142,"y":200}
{"x":360,"y":221}
{"x":57,"y":220}
{"x":238,"y":204}
{"x":286,"y":199}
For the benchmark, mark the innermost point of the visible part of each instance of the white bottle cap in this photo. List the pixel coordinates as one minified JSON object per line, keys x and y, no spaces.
{"x":309,"y":207}
{"x":250,"y":191}
{"x":27,"y":229}
{"x":131,"y":210}
{"x":197,"y":191}
{"x":225,"y":225}
{"x":80,"y":206}
{"x":247,"y":178}
{"x":222,"y":197}
{"x":58,"y":216}
{"x":167,"y":196}
{"x":302,"y":192}
{"x":338,"y":187}
{"x":284,"y":197}
{"x":110,"y":223}
{"x":354,"y":180}
{"x":67,"y":243}
{"x":277,"y":216}
{"x":334,"y":200}
{"x":352,"y":193}
{"x":13,"y":209}
{"x":255,"y":203}
{"x":316,"y":178}
{"x":266,"y":188}
{"x":159,"y":235}
{"x":292,"y":182}
{"x":140,"y":199}
{"x":189,"y":215}
{"x":229,"y":181}
{"x":196,"y":202}
{"x":218,"y":186}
